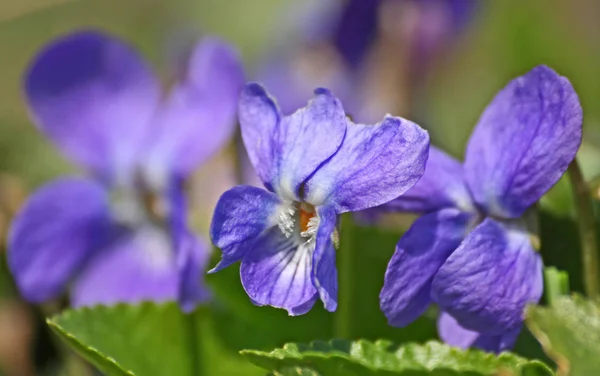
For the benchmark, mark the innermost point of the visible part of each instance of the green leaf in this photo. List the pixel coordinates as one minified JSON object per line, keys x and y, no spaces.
{"x":364,"y":358}
{"x":569,"y":331}
{"x":149,"y":339}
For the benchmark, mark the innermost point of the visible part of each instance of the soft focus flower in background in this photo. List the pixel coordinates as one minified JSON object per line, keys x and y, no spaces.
{"x":315,"y":165}
{"x":471,"y":252}
{"x":120,"y":234}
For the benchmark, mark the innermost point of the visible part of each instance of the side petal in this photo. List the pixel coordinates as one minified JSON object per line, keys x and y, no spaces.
{"x":54,"y":234}
{"x":441,"y":186}
{"x":306,"y":139}
{"x":324,"y":270}
{"x":420,"y":253}
{"x":140,"y":266}
{"x":453,"y":334}
{"x":524,"y":142}
{"x":259,"y":120}
{"x":199,"y":116}
{"x":242,"y":213}
{"x":192,"y":258}
{"x":490,"y":278}
{"x":276,"y":271}
{"x":191,"y":255}
{"x":374,"y":165}
{"x":95,"y":97}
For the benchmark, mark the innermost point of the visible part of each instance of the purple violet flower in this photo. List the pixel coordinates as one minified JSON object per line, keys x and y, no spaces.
{"x":120,"y":235}
{"x":471,"y":251}
{"x":315,"y":165}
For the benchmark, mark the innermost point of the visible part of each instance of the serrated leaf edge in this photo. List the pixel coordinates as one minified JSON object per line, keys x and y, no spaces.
{"x":68,"y":335}
{"x":286,"y":352}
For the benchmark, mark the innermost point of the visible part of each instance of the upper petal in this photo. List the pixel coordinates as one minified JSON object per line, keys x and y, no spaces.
{"x":442,"y":185}
{"x":199,"y":115}
{"x":420,"y":253}
{"x":324,"y":270}
{"x":306,"y":139}
{"x":524,"y":142}
{"x":140,"y":266}
{"x":374,"y":165}
{"x":242,"y":213}
{"x":276,"y":271}
{"x":490,"y":278}
{"x":453,"y":334}
{"x":259,"y":120}
{"x":55,"y":232}
{"x":95,"y":97}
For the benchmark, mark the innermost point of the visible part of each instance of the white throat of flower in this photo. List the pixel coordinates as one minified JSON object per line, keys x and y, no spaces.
{"x":293,"y":220}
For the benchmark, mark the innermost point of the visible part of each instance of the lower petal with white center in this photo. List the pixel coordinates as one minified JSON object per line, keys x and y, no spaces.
{"x":276,"y":271}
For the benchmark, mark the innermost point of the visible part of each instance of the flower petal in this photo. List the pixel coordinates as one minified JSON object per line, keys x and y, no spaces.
{"x":199,"y":115}
{"x":56,"y":231}
{"x":420,"y":253}
{"x":93,"y":96}
{"x":374,"y":165}
{"x":490,"y":278}
{"x":441,"y":186}
{"x":524,"y":142}
{"x":324,"y":271}
{"x":141,"y":266}
{"x":306,"y":139}
{"x":192,"y":257}
{"x":242,"y":214}
{"x":276,"y":271}
{"x":455,"y":335}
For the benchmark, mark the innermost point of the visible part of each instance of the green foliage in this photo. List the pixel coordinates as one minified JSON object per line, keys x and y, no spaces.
{"x":149,"y":339}
{"x":365,"y":358}
{"x":569,"y":331}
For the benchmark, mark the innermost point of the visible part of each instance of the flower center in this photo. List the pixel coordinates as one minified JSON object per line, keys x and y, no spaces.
{"x":299,"y":219}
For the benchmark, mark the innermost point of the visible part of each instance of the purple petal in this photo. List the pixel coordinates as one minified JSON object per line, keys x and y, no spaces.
{"x":276,"y":271}
{"x":441,"y":186}
{"x":306,"y":139}
{"x":259,"y":120}
{"x":490,"y":278}
{"x":524,"y":142}
{"x":374,"y":165}
{"x":140,"y":267}
{"x":324,"y":271}
{"x":93,"y":96}
{"x":356,"y":30}
{"x":419,"y":254}
{"x":455,"y":335}
{"x":199,"y":115}
{"x":192,"y":259}
{"x":242,"y":214}
{"x":56,"y":231}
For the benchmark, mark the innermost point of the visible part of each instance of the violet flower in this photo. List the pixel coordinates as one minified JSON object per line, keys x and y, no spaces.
{"x":315,"y":164}
{"x":120,"y":235}
{"x":471,"y":251}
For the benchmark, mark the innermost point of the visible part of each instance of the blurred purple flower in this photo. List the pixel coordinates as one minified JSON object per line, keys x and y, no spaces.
{"x":315,"y":165}
{"x":471,"y":251}
{"x":120,"y":235}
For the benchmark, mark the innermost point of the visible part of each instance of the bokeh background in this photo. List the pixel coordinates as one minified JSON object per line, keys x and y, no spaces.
{"x":500,"y":40}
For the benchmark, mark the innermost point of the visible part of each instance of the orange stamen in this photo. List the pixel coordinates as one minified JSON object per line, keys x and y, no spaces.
{"x":304,"y":219}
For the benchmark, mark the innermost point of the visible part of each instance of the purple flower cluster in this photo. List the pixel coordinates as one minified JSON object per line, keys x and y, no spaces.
{"x":120,"y":234}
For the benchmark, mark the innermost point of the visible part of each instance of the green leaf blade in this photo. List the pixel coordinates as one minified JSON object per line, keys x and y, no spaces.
{"x":365,"y":358}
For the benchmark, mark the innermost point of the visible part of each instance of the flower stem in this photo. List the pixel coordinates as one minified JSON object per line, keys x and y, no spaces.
{"x":587,"y":231}
{"x":343,"y":319}
{"x":193,"y":343}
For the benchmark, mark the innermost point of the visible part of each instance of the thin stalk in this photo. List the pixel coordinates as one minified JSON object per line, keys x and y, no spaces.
{"x":587,"y":231}
{"x":193,"y":343}
{"x":343,"y":319}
